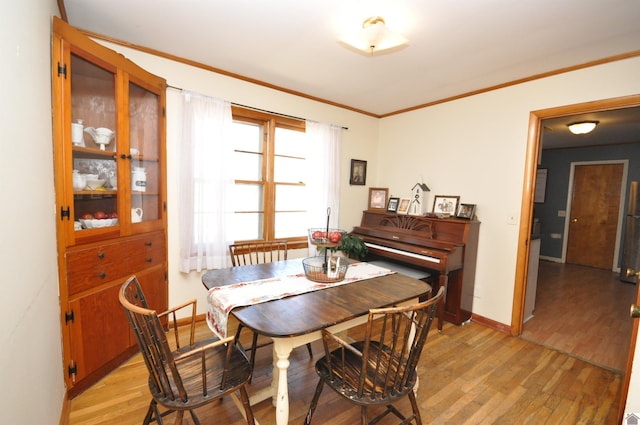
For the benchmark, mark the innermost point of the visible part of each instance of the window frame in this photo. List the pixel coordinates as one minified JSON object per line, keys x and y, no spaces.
{"x":269,"y":124}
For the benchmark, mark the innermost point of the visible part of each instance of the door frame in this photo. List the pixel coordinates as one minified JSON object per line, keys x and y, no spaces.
{"x":533,"y":151}
{"x":621,"y":209}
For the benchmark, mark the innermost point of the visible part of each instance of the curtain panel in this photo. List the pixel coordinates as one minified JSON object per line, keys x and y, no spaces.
{"x":206,"y":182}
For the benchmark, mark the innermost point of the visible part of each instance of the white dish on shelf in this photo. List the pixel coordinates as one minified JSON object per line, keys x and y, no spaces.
{"x":93,"y":184}
{"x":97,"y":223}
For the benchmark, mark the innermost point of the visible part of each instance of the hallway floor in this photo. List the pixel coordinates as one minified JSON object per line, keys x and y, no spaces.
{"x":582,"y":311}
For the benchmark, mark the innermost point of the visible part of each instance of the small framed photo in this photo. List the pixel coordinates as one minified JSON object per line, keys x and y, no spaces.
{"x":466,"y":211}
{"x":403,"y":206}
{"x":445,"y":204}
{"x":392,"y":206}
{"x":358,"y":172}
{"x":378,"y":198}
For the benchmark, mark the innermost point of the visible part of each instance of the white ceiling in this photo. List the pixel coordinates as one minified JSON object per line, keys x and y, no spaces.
{"x":455,"y":46}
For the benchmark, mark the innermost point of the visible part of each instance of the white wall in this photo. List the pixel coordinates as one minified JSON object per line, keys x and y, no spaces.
{"x":31,"y":356}
{"x":475,"y":148}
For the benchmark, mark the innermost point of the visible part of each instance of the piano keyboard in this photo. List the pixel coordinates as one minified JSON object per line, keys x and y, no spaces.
{"x":407,"y":253}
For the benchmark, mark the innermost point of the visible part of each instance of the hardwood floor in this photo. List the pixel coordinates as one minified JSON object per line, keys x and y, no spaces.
{"x":583,"y":311}
{"x":468,"y":375}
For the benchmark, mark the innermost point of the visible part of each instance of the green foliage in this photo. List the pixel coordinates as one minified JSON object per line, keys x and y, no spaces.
{"x":353,"y":247}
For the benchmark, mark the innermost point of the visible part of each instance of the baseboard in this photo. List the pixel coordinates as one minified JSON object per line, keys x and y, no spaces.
{"x":65,"y":411}
{"x":187,"y":320}
{"x":500,"y":327}
{"x":552,"y":259}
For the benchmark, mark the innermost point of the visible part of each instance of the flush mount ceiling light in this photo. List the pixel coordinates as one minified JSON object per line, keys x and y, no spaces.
{"x":582,"y":127}
{"x":374,"y":37}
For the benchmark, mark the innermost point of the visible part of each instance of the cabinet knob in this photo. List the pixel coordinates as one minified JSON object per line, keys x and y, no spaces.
{"x":148,"y":243}
{"x":101,"y":255}
{"x":103,"y":275}
{"x":634,"y":312}
{"x":149,"y":260}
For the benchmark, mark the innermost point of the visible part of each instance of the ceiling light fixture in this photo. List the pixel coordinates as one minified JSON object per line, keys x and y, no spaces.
{"x":374,"y":37}
{"x":582,"y":127}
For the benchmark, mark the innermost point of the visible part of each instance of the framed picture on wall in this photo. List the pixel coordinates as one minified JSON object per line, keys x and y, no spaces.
{"x":358,"y":172}
{"x":378,"y":198}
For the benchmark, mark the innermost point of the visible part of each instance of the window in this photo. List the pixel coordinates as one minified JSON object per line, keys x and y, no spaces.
{"x":270,"y":163}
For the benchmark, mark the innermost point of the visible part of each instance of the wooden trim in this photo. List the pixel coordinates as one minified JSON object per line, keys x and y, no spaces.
{"x":63,"y":11}
{"x":518,"y":81}
{"x":526,"y":215}
{"x":340,"y":105}
{"x":222,"y":72}
{"x":65,"y":411}
{"x":492,"y":324}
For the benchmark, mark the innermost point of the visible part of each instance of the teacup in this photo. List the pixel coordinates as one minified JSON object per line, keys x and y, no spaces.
{"x":136,"y":215}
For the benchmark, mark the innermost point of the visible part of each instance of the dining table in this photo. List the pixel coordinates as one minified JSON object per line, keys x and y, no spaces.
{"x":296,"y":320}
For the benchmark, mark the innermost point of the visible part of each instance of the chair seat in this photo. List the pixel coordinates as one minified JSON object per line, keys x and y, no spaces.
{"x":237,"y":374}
{"x":345,"y":380}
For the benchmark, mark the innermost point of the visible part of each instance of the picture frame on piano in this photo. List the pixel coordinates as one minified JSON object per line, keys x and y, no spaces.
{"x":392,"y":206}
{"x":445,"y":205}
{"x":403,"y":206}
{"x":466,"y":211}
{"x":378,"y":198}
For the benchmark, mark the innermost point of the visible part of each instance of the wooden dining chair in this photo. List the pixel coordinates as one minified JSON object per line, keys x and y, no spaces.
{"x":244,"y":254}
{"x":191,"y":375}
{"x":382,"y":368}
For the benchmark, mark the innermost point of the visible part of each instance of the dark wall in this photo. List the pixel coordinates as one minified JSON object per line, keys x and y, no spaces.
{"x":558,"y":163}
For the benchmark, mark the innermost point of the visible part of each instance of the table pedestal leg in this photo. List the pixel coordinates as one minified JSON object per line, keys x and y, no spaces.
{"x":281,"y":350}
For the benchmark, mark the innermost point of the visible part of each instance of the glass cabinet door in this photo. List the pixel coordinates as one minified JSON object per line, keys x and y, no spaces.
{"x":144,"y":147}
{"x":93,"y":139}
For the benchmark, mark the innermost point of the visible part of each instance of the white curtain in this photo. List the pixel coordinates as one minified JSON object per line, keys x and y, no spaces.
{"x":324,"y":180}
{"x":206,"y":180}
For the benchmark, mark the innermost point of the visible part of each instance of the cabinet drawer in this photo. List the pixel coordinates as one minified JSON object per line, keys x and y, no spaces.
{"x":96,"y":265}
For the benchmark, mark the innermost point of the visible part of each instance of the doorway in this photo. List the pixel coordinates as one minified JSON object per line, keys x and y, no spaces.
{"x":534,"y":148}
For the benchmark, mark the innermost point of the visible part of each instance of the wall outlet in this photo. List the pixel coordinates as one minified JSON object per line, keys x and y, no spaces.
{"x":562,"y":213}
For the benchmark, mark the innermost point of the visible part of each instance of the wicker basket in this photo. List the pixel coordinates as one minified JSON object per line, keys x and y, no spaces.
{"x":320,"y":237}
{"x":335,"y":270}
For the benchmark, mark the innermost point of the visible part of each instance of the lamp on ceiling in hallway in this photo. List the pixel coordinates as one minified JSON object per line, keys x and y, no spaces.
{"x":582,"y":127}
{"x":374,"y":37}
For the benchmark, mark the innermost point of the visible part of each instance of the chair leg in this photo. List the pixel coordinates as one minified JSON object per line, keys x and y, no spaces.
{"x":310,"y":350}
{"x":153,"y":410}
{"x":363,"y":415}
{"x":247,"y":406}
{"x":179,"y":415}
{"x":414,"y":406}
{"x":194,"y":417}
{"x":314,"y":402}
{"x":252,"y":359}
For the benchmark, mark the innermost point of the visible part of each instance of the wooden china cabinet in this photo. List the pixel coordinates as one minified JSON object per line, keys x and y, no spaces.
{"x":111,"y":198}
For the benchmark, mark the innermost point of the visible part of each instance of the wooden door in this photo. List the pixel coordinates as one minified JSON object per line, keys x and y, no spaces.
{"x":595,"y":210}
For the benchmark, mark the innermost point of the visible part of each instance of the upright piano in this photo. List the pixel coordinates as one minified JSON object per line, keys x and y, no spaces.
{"x":445,"y":247}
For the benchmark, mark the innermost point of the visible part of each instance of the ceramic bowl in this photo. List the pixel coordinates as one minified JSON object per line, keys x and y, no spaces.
{"x":93,"y":184}
{"x":95,"y":223}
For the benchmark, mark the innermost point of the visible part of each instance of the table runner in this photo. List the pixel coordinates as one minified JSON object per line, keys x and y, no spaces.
{"x":222,"y":299}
